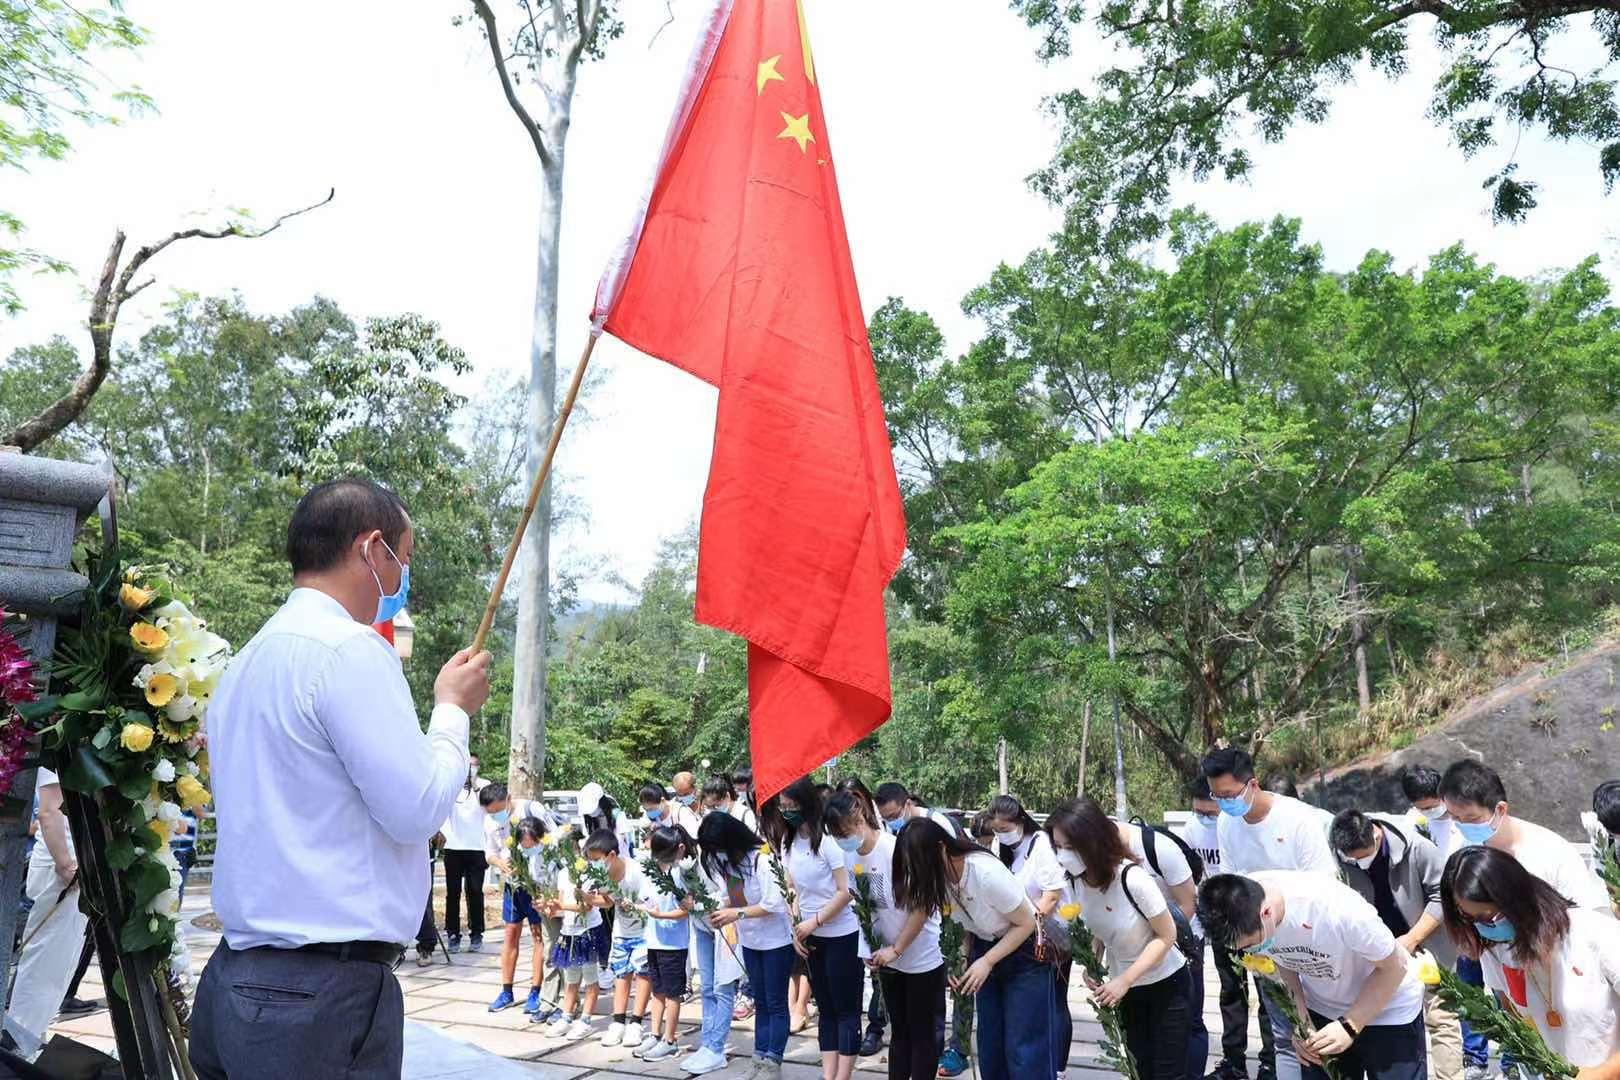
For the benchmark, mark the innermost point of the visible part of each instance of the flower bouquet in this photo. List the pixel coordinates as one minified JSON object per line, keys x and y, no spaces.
{"x":521,"y":875}
{"x":1497,"y":1021}
{"x":1282,"y":999}
{"x":597,"y":880}
{"x":1084,"y":948}
{"x":951,"y":947}
{"x":779,"y":873}
{"x":865,"y":905}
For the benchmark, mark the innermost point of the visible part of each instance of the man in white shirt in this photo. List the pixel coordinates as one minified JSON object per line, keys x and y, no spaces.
{"x":1337,"y":958}
{"x":1477,"y":800}
{"x":896,"y":806}
{"x":1262,"y":830}
{"x":659,"y":809}
{"x":54,"y":933}
{"x":327,"y":792}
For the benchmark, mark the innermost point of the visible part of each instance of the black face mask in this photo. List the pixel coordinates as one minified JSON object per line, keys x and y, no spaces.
{"x":794,"y":818}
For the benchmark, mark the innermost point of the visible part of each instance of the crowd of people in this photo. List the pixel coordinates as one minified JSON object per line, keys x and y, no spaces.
{"x":1344,"y":906}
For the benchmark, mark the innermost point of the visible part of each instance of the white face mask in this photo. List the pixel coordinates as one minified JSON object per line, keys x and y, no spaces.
{"x":1072,"y":864}
{"x":1010,"y":837}
{"x":1365,"y":864}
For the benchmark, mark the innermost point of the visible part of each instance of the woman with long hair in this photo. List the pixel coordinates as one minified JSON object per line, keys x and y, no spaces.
{"x":907,"y":964}
{"x":755,"y":905}
{"x":1014,"y":989}
{"x":1558,"y":964}
{"x":1128,"y":914}
{"x":827,"y":933}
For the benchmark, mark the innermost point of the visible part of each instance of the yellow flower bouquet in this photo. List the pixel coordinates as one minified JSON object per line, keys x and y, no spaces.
{"x":1083,"y":945}
{"x":1282,"y":999}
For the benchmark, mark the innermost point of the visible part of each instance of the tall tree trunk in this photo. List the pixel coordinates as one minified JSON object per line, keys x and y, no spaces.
{"x":1358,"y":633}
{"x":1524,"y":482}
{"x":527,"y":765}
{"x":1001,"y":765}
{"x":1085,"y":744}
{"x":208,"y":477}
{"x":1113,"y":654}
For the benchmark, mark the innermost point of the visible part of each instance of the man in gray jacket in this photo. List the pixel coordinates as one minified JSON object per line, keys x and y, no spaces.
{"x":1399,"y":875}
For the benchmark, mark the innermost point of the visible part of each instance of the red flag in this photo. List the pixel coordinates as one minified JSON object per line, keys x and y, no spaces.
{"x":739,"y":272}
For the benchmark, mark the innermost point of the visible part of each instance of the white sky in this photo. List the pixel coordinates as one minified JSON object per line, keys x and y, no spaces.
{"x":933,"y":108}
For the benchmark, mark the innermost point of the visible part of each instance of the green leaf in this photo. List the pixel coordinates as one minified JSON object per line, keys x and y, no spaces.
{"x":118,"y":985}
{"x":121,"y":852}
{"x":85,"y":773}
{"x":83,"y":701}
{"x":145,"y":880}
{"x":34,"y":711}
{"x":102,"y":738}
{"x":137,"y":935}
{"x":136,"y":785}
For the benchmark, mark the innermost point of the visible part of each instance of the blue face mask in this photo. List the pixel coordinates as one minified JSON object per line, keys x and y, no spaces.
{"x":1499,"y":931}
{"x":1478,"y":832}
{"x":1207,"y":820}
{"x":1263,"y":946}
{"x":1236,"y":806}
{"x":501,"y":816}
{"x":685,"y":800}
{"x":390,"y":604}
{"x":655,"y":814}
{"x":895,"y":826}
{"x":850,"y":844}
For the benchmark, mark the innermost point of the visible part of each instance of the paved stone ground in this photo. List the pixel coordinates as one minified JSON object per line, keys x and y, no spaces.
{"x":451,"y":1035}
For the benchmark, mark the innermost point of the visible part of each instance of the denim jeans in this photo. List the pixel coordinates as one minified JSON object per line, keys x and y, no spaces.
{"x":837,"y":978}
{"x":1380,"y":1052}
{"x":1014,"y":1015}
{"x":768,"y":971}
{"x":1062,"y":1018}
{"x":1476,"y":1051}
{"x":717,"y":1000}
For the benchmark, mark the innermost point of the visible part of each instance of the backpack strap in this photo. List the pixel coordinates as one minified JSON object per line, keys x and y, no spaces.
{"x":1126,"y":889}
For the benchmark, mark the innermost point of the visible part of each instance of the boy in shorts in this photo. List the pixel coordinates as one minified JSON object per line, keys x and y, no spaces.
{"x":628,"y":957}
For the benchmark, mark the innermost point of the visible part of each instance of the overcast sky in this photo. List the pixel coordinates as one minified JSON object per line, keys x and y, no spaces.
{"x":933,"y":107}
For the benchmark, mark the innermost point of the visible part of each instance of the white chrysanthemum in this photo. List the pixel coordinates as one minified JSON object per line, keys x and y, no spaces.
{"x":158,"y":667}
{"x":169,"y":812}
{"x":193,"y":769}
{"x":184,"y":709}
{"x":150,"y":804}
{"x":166,"y":902}
{"x":164,"y":773}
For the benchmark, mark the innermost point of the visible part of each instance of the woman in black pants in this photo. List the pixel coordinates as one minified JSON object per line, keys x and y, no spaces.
{"x":827,"y":929}
{"x":908,"y":965}
{"x":1129,"y":916}
{"x":464,"y":862}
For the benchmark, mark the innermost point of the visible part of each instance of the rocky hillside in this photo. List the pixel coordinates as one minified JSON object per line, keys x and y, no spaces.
{"x":1552,"y":733}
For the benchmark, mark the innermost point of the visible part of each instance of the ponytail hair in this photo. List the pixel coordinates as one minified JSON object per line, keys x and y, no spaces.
{"x":667,"y":841}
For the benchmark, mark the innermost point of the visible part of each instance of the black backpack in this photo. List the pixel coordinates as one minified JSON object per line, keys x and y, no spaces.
{"x":1194,"y":860}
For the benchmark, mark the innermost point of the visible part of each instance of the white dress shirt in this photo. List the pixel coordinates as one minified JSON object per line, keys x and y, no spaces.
{"x":326,"y":788}
{"x":464,"y":829}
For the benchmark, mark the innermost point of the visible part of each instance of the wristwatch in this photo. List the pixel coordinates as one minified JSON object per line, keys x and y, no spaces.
{"x":1344,"y":1022}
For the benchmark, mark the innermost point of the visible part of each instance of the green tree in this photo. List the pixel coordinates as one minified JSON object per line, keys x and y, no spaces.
{"x":1194,"y":77}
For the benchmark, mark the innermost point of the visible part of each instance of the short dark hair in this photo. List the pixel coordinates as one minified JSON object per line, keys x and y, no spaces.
{"x":1482,"y":875}
{"x":1228,"y":761}
{"x":1606,"y":805}
{"x":653,"y":793}
{"x":1199,"y":789}
{"x":603,"y":842}
{"x":720,"y":786}
{"x":492,"y":792}
{"x":743,"y":776}
{"x":1470,"y":781}
{"x":530,"y":828}
{"x":1420,"y":782}
{"x":329,"y":517}
{"x":1229,"y":907}
{"x":890,"y":793}
{"x":1351,"y":831}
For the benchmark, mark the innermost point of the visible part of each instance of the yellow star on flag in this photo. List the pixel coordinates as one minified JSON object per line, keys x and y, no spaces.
{"x":768,"y":72}
{"x":798,"y":129}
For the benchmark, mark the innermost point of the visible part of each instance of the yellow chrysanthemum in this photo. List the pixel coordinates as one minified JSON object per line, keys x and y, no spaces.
{"x":134,"y":598}
{"x":148,"y":638}
{"x":192,"y":794}
{"x":1421,"y":820}
{"x":160,"y":829}
{"x":1428,"y":972}
{"x":579,"y":865}
{"x":1069,"y":912}
{"x":765,"y":849}
{"x":135,"y":738}
{"x":860,"y":871}
{"x":1260,"y":964}
{"x":946,"y":911}
{"x":160,"y":690}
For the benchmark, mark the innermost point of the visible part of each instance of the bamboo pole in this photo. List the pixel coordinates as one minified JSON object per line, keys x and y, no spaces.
{"x":534,"y":494}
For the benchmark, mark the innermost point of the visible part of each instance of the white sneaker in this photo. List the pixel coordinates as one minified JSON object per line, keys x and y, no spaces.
{"x":614,"y":1035}
{"x":661,"y":1051}
{"x":579,"y":1029}
{"x":647,"y":1043}
{"x":558,"y":1026}
{"x":704,"y":1061}
{"x":632,"y":1035}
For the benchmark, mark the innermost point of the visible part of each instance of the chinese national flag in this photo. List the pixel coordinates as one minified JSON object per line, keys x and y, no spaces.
{"x":739,"y":272}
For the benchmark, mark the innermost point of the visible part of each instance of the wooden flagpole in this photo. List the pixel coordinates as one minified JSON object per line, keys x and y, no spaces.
{"x":534,"y":494}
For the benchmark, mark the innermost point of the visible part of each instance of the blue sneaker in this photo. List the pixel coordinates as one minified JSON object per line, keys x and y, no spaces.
{"x":952,"y":1063}
{"x":532,"y":1006}
{"x":503,"y":1000}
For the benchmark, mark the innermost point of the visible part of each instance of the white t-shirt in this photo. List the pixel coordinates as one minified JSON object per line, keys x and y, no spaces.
{"x":497,"y":833}
{"x":628,"y":922}
{"x":1293,"y":836}
{"x":1124,"y":931}
{"x":1173,"y":866}
{"x":1554,"y":860}
{"x":940,"y":818}
{"x":1442,"y":830}
{"x":987,"y":894}
{"x":811,"y":873}
{"x":740,"y":811}
{"x":1036,"y":865}
{"x":877,"y":866}
{"x":1331,"y":938}
{"x":1583,"y":980}
{"x":1203,"y":839}
{"x":755,"y":885}
{"x":41,"y":855}
{"x":464,"y":829}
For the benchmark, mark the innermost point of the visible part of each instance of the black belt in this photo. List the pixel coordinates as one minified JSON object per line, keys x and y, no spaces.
{"x":374,"y":952}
